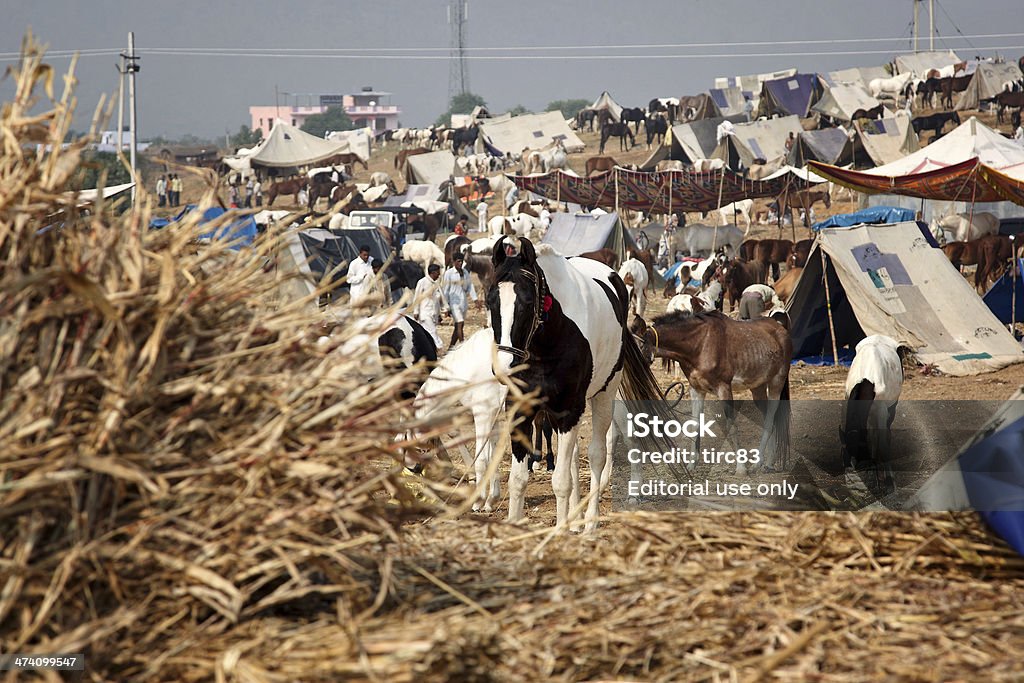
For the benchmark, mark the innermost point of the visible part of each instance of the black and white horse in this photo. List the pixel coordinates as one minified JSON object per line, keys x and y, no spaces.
{"x":873,"y":387}
{"x":565,"y":319}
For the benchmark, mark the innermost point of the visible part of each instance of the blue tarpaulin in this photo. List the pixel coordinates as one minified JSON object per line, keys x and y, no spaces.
{"x":999,"y":299}
{"x":792,"y":95}
{"x":993,"y":472}
{"x":872,"y":214}
{"x":242,"y":231}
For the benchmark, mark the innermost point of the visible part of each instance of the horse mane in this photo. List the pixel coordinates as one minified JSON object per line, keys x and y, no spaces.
{"x":683,"y":316}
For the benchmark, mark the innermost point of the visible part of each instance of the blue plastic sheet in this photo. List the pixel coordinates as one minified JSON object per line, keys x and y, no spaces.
{"x":993,"y":471}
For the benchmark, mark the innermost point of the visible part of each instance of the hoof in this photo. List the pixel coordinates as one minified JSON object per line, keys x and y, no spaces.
{"x":488,"y":508}
{"x":476,"y":507}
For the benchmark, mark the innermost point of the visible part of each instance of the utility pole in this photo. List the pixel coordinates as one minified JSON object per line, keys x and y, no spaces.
{"x":129,"y":67}
{"x":931,"y":25}
{"x":458,"y":73}
{"x":916,"y":3}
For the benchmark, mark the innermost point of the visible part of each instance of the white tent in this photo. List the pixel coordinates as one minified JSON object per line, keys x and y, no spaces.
{"x":358,"y":141}
{"x":887,"y":279}
{"x":858,"y":75}
{"x":288,"y":146}
{"x":987,"y":82}
{"x":923,"y":62}
{"x":804,"y":175}
{"x":887,"y":140}
{"x":843,"y":101}
{"x":432,"y":168}
{"x":765,"y":139}
{"x":575,"y":234}
{"x":970,"y":139}
{"x":606,"y":102}
{"x":530,"y":131}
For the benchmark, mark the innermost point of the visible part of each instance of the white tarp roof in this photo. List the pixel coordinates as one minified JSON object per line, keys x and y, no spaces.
{"x":804,"y":174}
{"x":888,"y":140}
{"x":970,"y":139}
{"x":922,"y":62}
{"x":606,"y":102}
{"x":842,"y":101}
{"x":575,"y":234}
{"x":86,"y":196}
{"x":730,"y":101}
{"x":432,"y":168}
{"x":752,"y":83}
{"x":761,"y":139}
{"x":358,"y":141}
{"x":900,"y":286}
{"x":987,"y":82}
{"x":858,"y":75}
{"x":530,"y":131}
{"x":288,"y":146}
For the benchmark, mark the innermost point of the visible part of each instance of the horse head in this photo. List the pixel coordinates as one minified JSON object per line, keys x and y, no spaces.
{"x":519,"y":301}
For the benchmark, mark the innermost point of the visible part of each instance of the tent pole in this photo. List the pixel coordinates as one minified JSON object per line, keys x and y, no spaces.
{"x":558,"y":188}
{"x":721,"y":187}
{"x":617,"y":190}
{"x":1015,"y":266}
{"x":669,"y":197}
{"x":828,"y":306}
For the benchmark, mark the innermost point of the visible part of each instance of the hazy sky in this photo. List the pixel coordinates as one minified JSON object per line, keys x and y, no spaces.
{"x":207,"y":94}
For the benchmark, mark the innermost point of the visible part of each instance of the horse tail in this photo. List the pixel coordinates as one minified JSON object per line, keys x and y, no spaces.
{"x":783,"y":415}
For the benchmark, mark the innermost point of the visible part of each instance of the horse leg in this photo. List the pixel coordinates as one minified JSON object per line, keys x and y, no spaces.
{"x":725,"y":395}
{"x":601,"y":407}
{"x":574,"y":493}
{"x":774,"y":445}
{"x":484,"y":418}
{"x":519,"y":473}
{"x":561,"y":478}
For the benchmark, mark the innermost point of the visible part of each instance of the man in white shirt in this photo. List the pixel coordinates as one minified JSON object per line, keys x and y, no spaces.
{"x":360,"y":276}
{"x":755,"y":300}
{"x":429,"y":301}
{"x":481,"y":214}
{"x":457,"y":288}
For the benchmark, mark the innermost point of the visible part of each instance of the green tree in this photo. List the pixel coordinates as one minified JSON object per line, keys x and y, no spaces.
{"x":94,"y":165}
{"x":518,"y":110}
{"x":246,"y":137}
{"x":569,"y":108}
{"x":463,"y":103}
{"x":333,"y":119}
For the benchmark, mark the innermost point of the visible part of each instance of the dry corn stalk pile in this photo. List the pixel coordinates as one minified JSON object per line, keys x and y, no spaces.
{"x":187,"y":493}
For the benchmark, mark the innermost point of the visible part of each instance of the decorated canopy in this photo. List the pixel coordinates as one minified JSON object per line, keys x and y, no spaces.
{"x":971,"y":164}
{"x":658,"y":192}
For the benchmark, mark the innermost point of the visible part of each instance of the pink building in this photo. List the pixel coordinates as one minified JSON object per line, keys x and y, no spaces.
{"x":367,"y":109}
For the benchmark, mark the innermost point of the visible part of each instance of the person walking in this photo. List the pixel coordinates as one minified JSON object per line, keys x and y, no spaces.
{"x":457,"y":288}
{"x":360,"y":276}
{"x":481,"y":216}
{"x":177,"y":190}
{"x":257,"y":192}
{"x":429,"y":302}
{"x":248,"y":193}
{"x":161,"y":191}
{"x":233,"y":196}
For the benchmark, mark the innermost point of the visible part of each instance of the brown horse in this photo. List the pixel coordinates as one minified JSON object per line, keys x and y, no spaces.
{"x":600,"y":165}
{"x":609,"y":257}
{"x":993,"y":253}
{"x":349,"y":159}
{"x":803,"y":199}
{"x":404,"y":154}
{"x":798,"y":256}
{"x":737,"y":275}
{"x":770,"y":253}
{"x":290,"y":186}
{"x":719,"y":355}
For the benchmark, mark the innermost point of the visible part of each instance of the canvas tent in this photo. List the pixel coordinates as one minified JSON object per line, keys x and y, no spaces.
{"x":575,"y":234}
{"x":971,"y":163}
{"x":923,"y":62}
{"x":605,"y":102}
{"x":858,"y":75}
{"x":757,"y":139}
{"x":791,"y":95}
{"x":884,"y":141}
{"x":704,"y":107}
{"x":730,"y":101}
{"x":841,"y":102}
{"x":691,"y":141}
{"x":432,"y":168}
{"x":530,"y":131}
{"x":986,"y":83}
{"x":830,"y":145}
{"x":358,"y":141}
{"x":288,"y":146}
{"x":887,"y":279}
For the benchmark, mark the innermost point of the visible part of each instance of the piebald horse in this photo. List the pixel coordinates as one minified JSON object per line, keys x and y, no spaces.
{"x":565,"y":320}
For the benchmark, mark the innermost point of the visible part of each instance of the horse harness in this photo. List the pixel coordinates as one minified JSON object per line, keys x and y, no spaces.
{"x":542,"y":304}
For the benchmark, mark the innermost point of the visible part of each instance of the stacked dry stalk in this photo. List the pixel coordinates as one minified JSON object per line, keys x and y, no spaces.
{"x":176,"y":459}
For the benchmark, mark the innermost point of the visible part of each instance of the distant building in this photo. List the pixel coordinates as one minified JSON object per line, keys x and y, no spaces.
{"x":367,"y":109}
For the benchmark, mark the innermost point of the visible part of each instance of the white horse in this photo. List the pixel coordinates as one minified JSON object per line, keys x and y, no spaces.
{"x":686,"y":303}
{"x":742,"y":208}
{"x":708,"y":165}
{"x":699,"y":239}
{"x":890,"y":86}
{"x":423,"y":253}
{"x":873,"y":387}
{"x":963,"y":228}
{"x":558,"y":315}
{"x":634,"y":276}
{"x":465,"y":377}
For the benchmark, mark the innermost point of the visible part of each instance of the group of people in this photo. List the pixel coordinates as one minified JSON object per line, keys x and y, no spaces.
{"x":253,"y":193}
{"x":435,"y":295}
{"x":168,"y":190}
